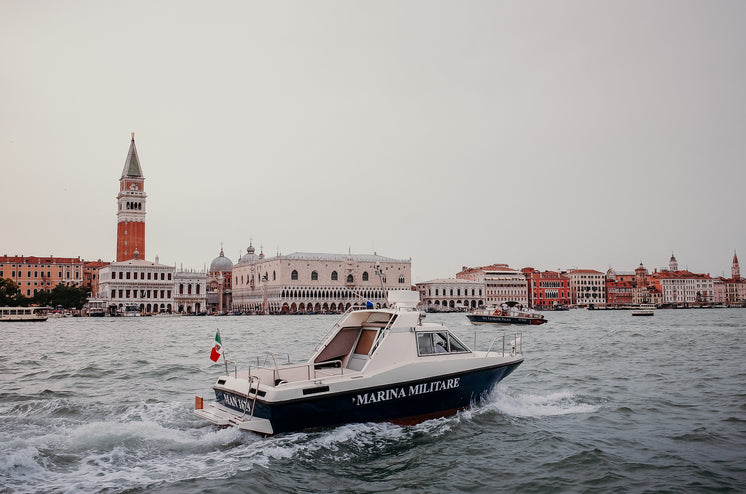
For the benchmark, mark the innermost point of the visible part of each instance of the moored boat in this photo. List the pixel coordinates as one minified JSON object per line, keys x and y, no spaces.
{"x":508,"y":313}
{"x":375,"y":365}
{"x":22,"y":314}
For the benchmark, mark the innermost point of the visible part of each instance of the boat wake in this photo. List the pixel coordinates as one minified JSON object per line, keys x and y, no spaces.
{"x":156,"y":444}
{"x":551,"y":404}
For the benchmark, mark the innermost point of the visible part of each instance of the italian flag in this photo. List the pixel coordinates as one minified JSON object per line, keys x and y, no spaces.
{"x":217,"y":350}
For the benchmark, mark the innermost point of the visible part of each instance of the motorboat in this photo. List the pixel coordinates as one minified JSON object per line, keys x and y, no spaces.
{"x":24,"y":314}
{"x":507,"y":313}
{"x":644,"y":310}
{"x":375,"y":365}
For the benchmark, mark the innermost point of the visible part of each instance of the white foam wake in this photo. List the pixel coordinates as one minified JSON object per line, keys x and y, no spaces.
{"x":554,"y":403}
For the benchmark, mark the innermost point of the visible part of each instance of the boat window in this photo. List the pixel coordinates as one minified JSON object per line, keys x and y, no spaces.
{"x":435,"y":343}
{"x":455,"y":345}
{"x":365,"y":342}
{"x":380,"y":317}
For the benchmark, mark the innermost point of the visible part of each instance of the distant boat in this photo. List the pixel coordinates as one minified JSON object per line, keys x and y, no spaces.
{"x":509,"y":313}
{"x":130,"y":310}
{"x":23,"y":314}
{"x":644,"y":310}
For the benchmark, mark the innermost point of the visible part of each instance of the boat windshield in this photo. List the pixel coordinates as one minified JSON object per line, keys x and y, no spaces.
{"x":438,"y":342}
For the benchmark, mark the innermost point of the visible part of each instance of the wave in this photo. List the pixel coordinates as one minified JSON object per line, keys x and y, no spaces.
{"x":553,"y":403}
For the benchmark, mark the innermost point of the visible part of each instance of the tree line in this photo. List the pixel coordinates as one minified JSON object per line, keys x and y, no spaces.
{"x":67,"y":297}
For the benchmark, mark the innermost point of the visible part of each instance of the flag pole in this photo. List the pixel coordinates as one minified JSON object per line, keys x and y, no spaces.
{"x":223,"y":353}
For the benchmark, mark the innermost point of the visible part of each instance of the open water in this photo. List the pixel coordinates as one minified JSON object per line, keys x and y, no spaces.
{"x":604,"y":402}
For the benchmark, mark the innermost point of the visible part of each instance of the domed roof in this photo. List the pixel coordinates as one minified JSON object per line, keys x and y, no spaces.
{"x":221,"y":264}
{"x":250,"y":255}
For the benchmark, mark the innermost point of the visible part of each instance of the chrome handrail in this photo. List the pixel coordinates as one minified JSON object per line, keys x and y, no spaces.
{"x":517,"y":343}
{"x":248,"y":396}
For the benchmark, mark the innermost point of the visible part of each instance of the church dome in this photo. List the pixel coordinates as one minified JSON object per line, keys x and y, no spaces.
{"x":221,"y":264}
{"x":250,"y":255}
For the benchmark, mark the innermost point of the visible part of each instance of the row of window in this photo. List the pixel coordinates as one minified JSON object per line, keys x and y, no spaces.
{"x":335,"y":277}
{"x":458,"y":292}
{"x":189,"y":289}
{"x":143,"y":294}
{"x":37,"y":275}
{"x":551,"y":294}
{"x":552,"y":284}
{"x":126,"y":275}
{"x":331,"y":294}
{"x":36,"y":266}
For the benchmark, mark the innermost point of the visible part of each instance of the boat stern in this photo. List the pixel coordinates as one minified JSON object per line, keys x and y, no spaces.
{"x":226,"y":417}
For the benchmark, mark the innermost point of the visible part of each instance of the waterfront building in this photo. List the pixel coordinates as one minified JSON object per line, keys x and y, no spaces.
{"x":190,"y":291}
{"x":314,"y":282}
{"x":718,"y":290}
{"x":735,"y":286}
{"x":131,"y":208}
{"x":547,"y":289}
{"x":501,"y":283}
{"x":91,"y":274}
{"x":34,"y":274}
{"x":220,"y":285}
{"x":145,"y":285}
{"x":620,"y":288}
{"x":447,"y":295}
{"x":588,"y":287}
{"x":682,"y":287}
{"x":644,"y":292}
{"x":619,"y":293}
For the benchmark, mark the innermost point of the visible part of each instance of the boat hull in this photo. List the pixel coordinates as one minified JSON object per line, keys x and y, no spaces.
{"x":492,"y":319}
{"x":403,"y":403}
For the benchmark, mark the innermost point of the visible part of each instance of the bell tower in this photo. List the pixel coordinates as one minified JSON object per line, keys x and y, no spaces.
{"x":131,"y":208}
{"x":735,"y":270}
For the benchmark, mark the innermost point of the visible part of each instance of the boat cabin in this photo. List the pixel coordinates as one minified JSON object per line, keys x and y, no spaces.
{"x":367,"y":340}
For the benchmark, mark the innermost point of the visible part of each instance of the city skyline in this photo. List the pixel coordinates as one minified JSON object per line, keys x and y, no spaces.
{"x":553,"y":136}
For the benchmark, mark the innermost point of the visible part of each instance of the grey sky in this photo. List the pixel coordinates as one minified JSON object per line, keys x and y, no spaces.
{"x":551,"y":134}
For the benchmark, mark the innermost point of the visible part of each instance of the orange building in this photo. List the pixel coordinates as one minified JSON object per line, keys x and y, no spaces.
{"x":131,"y":212}
{"x":34,"y":274}
{"x":547,"y":289}
{"x":91,"y":274}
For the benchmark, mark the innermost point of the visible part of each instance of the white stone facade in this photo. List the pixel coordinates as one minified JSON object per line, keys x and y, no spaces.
{"x":505,"y":285}
{"x":311,"y":282}
{"x":190,"y":292}
{"x":446,"y":295}
{"x":683,"y":288}
{"x":151,"y":287}
{"x":588,"y":287}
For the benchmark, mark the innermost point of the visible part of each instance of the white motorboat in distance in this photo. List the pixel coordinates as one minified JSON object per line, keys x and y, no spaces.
{"x":644,"y":310}
{"x":375,"y":365}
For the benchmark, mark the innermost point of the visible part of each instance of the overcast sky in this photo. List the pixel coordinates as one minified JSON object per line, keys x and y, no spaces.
{"x":552,"y":134}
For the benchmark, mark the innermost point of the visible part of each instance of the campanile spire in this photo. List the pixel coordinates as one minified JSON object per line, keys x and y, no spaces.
{"x":131,"y":208}
{"x":735,"y":270}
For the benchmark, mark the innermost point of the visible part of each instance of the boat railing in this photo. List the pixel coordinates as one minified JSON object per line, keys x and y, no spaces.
{"x":287,"y":372}
{"x":510,"y":342}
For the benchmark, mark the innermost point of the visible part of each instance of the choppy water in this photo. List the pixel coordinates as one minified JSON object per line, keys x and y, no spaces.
{"x":604,"y":402}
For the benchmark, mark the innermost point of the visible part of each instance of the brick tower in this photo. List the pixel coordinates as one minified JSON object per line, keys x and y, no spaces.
{"x":735,"y":270}
{"x":131,"y":212}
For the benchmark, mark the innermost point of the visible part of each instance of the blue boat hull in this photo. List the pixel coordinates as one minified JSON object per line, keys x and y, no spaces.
{"x":489,"y":319}
{"x":404,"y":403}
